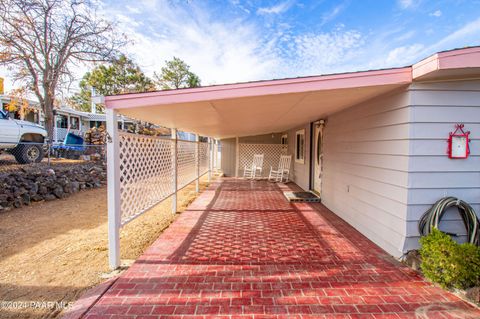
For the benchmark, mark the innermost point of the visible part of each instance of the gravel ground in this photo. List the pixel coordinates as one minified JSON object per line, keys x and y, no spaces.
{"x":54,"y":251}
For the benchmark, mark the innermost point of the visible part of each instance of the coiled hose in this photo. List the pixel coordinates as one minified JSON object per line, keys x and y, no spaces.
{"x":431,"y":218}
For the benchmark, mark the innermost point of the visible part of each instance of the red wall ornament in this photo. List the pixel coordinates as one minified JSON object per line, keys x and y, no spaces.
{"x":458,"y":143}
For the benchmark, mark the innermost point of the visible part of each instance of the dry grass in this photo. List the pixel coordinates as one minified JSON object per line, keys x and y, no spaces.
{"x":54,"y":251}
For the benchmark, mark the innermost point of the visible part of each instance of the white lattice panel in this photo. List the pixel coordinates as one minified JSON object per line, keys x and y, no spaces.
{"x":203,"y":157}
{"x":271,"y":153}
{"x":187,"y":167}
{"x":146,"y":173}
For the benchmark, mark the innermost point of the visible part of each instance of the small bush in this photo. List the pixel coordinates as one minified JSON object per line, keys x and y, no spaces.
{"x":448,"y":263}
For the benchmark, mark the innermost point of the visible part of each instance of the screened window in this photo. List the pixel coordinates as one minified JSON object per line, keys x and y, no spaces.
{"x":95,"y":124}
{"x":74,"y":123}
{"x":62,"y":121}
{"x":300,"y":146}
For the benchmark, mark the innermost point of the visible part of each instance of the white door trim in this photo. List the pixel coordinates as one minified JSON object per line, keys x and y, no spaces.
{"x":317,"y":158}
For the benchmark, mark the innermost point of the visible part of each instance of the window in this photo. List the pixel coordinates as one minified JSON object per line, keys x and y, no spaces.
{"x":96,"y":124}
{"x":31,"y":116}
{"x":74,"y":123}
{"x":284,"y":139}
{"x":300,"y":146}
{"x":62,"y":121}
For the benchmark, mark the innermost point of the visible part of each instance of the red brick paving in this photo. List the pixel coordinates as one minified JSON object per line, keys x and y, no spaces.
{"x":242,"y":251}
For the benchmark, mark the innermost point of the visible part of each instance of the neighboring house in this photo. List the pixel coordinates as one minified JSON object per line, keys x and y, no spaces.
{"x":186,"y":136}
{"x":66,"y":119}
{"x":372,"y":144}
{"x":78,"y":122}
{"x":33,"y":114}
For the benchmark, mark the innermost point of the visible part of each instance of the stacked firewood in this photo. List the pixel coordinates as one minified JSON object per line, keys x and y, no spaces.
{"x":95,"y":136}
{"x":148,"y":129}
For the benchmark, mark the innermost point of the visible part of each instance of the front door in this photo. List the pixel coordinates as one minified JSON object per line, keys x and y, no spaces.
{"x":318,"y":156}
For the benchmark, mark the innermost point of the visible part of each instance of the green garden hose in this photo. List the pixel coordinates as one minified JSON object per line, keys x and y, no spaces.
{"x":432,"y":218}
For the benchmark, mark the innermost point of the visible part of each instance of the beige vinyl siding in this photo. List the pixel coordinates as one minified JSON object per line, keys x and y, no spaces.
{"x":228,"y":156}
{"x":366,"y":160}
{"x":300,"y":172}
{"x":385,"y":160}
{"x":436,"y":108}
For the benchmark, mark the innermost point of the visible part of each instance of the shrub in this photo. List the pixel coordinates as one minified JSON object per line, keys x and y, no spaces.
{"x":448,"y":263}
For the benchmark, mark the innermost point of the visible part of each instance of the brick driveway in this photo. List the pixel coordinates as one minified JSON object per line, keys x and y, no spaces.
{"x":241,"y":250}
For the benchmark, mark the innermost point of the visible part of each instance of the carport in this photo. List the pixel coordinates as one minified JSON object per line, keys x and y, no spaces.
{"x":146,"y":170}
{"x":241,"y":248}
{"x":383,"y":156}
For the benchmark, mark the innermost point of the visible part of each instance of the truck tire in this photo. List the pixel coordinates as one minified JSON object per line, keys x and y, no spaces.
{"x":29,"y":153}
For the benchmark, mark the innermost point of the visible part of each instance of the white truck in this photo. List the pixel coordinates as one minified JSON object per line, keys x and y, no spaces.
{"x":24,"y":140}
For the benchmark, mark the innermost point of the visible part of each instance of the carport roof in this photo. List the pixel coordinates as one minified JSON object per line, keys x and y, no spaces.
{"x":264,"y":107}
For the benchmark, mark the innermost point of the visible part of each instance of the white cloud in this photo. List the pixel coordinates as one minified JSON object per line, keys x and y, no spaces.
{"x":218,"y":50}
{"x":403,"y":55}
{"x":134,"y":10}
{"x":329,"y":16}
{"x":468,"y":35}
{"x":234,"y":50}
{"x":226,"y":49}
{"x":437,"y":13}
{"x":405,"y":4}
{"x":405,"y":36}
{"x":324,"y":53}
{"x":276,"y":9}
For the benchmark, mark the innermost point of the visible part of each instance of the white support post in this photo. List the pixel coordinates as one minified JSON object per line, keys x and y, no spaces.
{"x":215,"y":153}
{"x":93,"y":103}
{"x":175,"y":171}
{"x":214,"y":161}
{"x":113,"y":184}
{"x":210,"y":159}
{"x":237,"y":156}
{"x":197,"y":162}
{"x":55,"y":131}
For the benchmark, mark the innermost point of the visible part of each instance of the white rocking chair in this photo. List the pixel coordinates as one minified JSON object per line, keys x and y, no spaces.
{"x":283,"y":169}
{"x":257,"y":166}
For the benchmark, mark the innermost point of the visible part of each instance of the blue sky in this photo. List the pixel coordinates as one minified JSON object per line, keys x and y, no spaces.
{"x":235,"y":40}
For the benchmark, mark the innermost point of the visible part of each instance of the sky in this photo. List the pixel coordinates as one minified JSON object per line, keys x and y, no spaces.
{"x":235,"y":41}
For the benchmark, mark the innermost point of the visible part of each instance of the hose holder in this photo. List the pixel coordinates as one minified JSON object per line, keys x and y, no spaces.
{"x":432,"y":217}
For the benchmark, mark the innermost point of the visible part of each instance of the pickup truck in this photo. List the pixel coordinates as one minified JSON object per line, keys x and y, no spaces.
{"x":22,"y":139}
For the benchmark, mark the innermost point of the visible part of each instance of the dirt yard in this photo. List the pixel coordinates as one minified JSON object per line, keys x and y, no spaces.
{"x":54,"y":251}
{"x":8,"y":163}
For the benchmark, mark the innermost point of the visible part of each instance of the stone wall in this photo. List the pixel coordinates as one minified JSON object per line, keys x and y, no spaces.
{"x":36,"y":183}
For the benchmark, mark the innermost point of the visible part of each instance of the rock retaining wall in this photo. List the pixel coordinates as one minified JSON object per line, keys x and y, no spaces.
{"x":37,"y":183}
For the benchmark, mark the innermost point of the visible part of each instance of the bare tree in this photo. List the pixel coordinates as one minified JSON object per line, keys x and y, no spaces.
{"x":40,"y":41}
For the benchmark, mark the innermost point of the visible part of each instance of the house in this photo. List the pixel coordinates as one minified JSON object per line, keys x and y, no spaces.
{"x":372,"y":144}
{"x":66,"y":119}
{"x":32,"y":114}
{"x":79,"y":122}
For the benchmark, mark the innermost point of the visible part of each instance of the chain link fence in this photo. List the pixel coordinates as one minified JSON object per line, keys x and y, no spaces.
{"x":15,"y":155}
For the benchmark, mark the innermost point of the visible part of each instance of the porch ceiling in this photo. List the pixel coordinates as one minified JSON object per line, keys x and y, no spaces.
{"x":264,"y":107}
{"x":257,"y":107}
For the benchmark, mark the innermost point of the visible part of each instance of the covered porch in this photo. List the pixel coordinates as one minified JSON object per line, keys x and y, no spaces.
{"x":146,"y":170}
{"x":241,"y":250}
{"x":369,"y":166}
